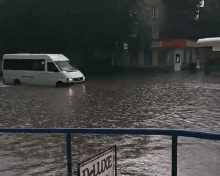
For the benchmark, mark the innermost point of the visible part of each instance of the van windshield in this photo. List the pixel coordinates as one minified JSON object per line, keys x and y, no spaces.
{"x":65,"y":66}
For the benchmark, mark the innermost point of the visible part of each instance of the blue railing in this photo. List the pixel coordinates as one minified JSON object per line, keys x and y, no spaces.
{"x":68,"y":131}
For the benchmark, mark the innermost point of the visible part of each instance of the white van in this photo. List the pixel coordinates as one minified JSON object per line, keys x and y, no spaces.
{"x":39,"y":69}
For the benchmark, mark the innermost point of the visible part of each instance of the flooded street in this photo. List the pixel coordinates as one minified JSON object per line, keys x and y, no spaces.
{"x":164,"y":100}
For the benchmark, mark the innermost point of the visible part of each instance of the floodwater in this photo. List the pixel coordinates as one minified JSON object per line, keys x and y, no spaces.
{"x":170,"y":101}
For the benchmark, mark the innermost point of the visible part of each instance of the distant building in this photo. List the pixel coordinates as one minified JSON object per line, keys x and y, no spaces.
{"x":171,"y":54}
{"x":209,"y":17}
{"x":154,"y":14}
{"x":166,"y":54}
{"x":211,"y":9}
{"x":201,"y":13}
{"x":174,"y":54}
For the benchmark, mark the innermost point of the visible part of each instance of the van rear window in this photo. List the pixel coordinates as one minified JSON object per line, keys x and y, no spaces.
{"x":24,"y":64}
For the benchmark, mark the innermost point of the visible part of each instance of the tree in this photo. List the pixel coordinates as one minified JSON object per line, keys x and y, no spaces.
{"x":142,"y":38}
{"x":182,"y":19}
{"x":208,"y":28}
{"x":191,"y":7}
{"x":52,"y":25}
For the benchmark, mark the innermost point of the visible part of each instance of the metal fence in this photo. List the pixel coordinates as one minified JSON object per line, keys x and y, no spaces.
{"x":143,"y":131}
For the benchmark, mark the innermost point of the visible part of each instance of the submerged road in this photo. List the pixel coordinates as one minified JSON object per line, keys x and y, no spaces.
{"x":169,"y":101}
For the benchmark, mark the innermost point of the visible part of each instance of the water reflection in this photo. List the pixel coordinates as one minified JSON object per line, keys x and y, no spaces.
{"x":71,"y":93}
{"x":77,"y":90}
{"x":57,"y":96}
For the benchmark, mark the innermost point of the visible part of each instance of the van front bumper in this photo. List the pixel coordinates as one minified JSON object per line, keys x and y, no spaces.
{"x":79,"y":80}
{"x":71,"y":81}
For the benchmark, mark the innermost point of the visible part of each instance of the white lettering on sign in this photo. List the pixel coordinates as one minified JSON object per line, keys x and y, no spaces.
{"x":99,"y":166}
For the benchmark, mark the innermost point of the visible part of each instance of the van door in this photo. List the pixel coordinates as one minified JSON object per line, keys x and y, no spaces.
{"x":53,"y":74}
{"x":38,"y":73}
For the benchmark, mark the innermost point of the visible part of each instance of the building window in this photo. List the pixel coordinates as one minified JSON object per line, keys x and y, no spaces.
{"x":161,"y":61}
{"x":154,"y":12}
{"x":135,"y":8}
{"x":147,"y":9}
{"x":135,"y":32}
{"x":155,"y":33}
{"x":135,"y":15}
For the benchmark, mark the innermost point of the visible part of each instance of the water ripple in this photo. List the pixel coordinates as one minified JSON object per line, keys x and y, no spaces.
{"x":174,"y":100}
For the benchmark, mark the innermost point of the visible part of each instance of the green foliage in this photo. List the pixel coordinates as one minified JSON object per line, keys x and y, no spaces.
{"x":182,"y":19}
{"x":208,"y":28}
{"x":191,"y":6}
{"x":55,"y":25}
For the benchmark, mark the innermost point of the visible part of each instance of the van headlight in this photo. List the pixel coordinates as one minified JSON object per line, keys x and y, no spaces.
{"x":69,"y":80}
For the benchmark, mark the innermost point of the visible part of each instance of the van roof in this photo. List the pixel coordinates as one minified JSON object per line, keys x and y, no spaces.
{"x":54,"y":57}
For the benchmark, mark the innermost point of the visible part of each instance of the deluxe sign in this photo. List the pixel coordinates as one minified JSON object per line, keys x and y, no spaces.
{"x":103,"y":164}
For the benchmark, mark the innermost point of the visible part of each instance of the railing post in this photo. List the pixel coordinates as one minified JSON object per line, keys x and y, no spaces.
{"x":69,"y":153}
{"x":115,"y":160}
{"x":174,"y":155}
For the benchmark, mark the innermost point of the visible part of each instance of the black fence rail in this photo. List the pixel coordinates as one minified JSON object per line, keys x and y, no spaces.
{"x":143,"y":131}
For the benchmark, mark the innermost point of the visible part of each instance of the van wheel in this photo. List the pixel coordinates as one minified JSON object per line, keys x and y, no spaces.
{"x":17,"y":81}
{"x":59,"y":84}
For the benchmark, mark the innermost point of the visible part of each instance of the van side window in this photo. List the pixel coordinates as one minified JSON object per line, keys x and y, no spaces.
{"x":38,"y":65}
{"x":15,"y":64}
{"x":51,"y":67}
{"x":24,"y":64}
{"x":8,"y":64}
{"x":42,"y":65}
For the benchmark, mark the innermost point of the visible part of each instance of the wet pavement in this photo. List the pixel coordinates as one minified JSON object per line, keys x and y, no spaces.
{"x":188,"y":101}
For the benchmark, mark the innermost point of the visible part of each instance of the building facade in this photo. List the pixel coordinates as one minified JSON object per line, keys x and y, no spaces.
{"x":169,"y":54}
{"x":211,"y":9}
{"x":165,"y":54}
{"x":154,"y":14}
{"x":174,"y":54}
